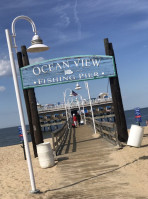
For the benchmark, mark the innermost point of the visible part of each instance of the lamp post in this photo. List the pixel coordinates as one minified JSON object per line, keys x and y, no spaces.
{"x":78,"y":87}
{"x":36,"y":46}
{"x":64,"y":94}
{"x":83,"y":108}
{"x":37,"y":43}
{"x":78,"y":103}
{"x":69,"y":106}
{"x":86,"y":86}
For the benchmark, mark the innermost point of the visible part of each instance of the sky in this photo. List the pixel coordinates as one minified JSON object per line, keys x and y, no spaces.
{"x":77,"y":27}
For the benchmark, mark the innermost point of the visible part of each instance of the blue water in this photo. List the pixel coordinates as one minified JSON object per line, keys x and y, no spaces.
{"x":10,"y":136}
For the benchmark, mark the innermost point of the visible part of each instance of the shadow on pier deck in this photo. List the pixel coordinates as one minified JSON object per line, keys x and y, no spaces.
{"x":86,"y":169}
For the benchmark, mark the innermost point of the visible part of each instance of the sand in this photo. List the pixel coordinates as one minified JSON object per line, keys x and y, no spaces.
{"x":134,"y":166}
{"x":14,"y":175}
{"x":15,"y":182}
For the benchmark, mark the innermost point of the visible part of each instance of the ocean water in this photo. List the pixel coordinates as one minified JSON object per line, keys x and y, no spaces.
{"x":10,"y":136}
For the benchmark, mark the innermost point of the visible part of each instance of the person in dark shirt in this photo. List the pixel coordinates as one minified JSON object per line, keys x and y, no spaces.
{"x":78,"y":118}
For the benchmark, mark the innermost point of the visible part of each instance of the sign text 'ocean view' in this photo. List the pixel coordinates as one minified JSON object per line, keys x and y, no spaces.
{"x":67,"y":70}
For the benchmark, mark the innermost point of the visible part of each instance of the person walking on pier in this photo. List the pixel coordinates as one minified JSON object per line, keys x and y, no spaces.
{"x":75,"y":120}
{"x":78,"y":118}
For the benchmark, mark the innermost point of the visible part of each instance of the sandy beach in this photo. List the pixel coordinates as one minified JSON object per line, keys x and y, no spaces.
{"x":134,"y":166}
{"x":15,"y":182}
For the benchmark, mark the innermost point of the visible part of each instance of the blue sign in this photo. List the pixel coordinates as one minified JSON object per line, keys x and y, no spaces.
{"x":138,"y":115}
{"x":67,"y":70}
{"x":85,"y":110}
{"x":20,"y":133}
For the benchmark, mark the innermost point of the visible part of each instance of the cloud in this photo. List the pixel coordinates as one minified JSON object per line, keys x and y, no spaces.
{"x":36,"y":60}
{"x":62,"y":12}
{"x":5,"y":67}
{"x":2,"y":88}
{"x":98,"y":8}
{"x":67,"y":26}
{"x":77,"y":20}
{"x":64,"y":20}
{"x":62,"y":38}
{"x":140,"y":25}
{"x":8,"y":4}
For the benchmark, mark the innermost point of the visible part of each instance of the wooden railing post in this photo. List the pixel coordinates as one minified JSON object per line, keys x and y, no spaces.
{"x":25,"y":91}
{"x":33,"y":104}
{"x":117,"y":99}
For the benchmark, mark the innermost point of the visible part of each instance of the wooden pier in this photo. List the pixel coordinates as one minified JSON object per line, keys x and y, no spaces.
{"x":85,"y":169}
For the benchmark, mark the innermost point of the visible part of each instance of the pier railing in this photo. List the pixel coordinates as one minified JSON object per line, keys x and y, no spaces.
{"x":59,"y":138}
{"x":74,"y":104}
{"x":106,"y":130}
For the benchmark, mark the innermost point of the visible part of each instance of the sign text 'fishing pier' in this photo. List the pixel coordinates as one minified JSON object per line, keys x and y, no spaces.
{"x":67,"y":70}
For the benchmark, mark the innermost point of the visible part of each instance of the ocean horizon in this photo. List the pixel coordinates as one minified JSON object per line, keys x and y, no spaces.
{"x":10,"y":136}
